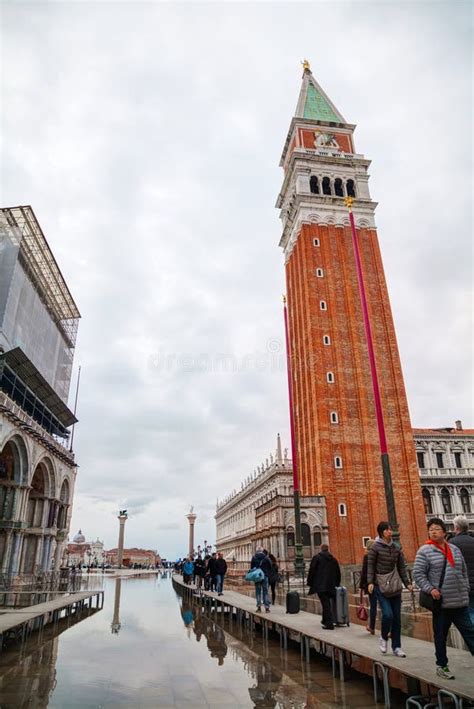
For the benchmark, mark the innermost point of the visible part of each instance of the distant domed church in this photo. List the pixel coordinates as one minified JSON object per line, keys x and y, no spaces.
{"x":83,"y":553}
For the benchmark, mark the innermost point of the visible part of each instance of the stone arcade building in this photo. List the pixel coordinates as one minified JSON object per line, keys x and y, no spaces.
{"x":262,"y":513}
{"x":38,"y":327}
{"x":446,"y":465}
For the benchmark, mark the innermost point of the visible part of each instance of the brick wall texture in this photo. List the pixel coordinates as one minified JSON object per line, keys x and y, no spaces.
{"x":359,"y":483}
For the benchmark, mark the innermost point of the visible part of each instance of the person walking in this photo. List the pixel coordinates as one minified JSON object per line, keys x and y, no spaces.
{"x":261,"y":561}
{"x":199,"y":570}
{"x":440,"y":570}
{"x":221,"y":568}
{"x":323,"y":577}
{"x":188,"y":570}
{"x":212,"y":569}
{"x":363,"y":585}
{"x":273,"y":578}
{"x":386,"y":565}
{"x":465,"y":542}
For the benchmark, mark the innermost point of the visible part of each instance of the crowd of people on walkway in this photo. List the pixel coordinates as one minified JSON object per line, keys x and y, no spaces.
{"x":443,"y":573}
{"x":206,"y":572}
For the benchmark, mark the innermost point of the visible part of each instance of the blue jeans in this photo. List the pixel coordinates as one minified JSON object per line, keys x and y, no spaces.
{"x":441,"y":624}
{"x":261,"y":593}
{"x":391,"y":617}
{"x":219,"y":582}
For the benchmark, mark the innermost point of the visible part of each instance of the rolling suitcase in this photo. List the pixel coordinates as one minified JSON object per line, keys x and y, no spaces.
{"x":292,"y":602}
{"x":340,"y":607}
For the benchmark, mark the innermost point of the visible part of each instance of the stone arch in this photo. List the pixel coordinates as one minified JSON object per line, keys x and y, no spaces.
{"x":14,"y":456}
{"x":363,"y":223}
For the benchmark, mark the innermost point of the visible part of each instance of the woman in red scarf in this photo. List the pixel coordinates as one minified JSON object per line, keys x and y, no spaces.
{"x":440,"y":570}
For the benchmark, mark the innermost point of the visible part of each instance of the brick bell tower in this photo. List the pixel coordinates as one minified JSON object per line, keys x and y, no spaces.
{"x":336,"y":431}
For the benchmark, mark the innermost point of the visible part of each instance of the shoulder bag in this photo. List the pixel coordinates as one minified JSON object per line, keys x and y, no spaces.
{"x":255,"y":575}
{"x":426,"y":600}
{"x":390,"y":584}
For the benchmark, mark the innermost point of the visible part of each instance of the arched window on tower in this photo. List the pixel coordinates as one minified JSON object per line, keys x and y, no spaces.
{"x":446,"y":501}
{"x":427,"y":502}
{"x":314,"y":184}
{"x":326,"y":185}
{"x":338,"y":188}
{"x":465,"y":501}
{"x":305,"y":535}
{"x":350,"y":188}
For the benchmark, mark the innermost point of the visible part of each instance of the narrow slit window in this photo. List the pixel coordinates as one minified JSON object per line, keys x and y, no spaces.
{"x":319,"y":273}
{"x":326,"y":340}
{"x":314,"y":184}
{"x":326,"y":185}
{"x":323,"y":305}
{"x":338,"y":188}
{"x":334,"y":417}
{"x":330,"y":377}
{"x":338,"y":462}
{"x":342,"y":509}
{"x":316,"y":242}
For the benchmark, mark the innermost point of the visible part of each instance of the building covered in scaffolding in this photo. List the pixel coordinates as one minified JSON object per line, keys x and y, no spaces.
{"x":38,"y":328}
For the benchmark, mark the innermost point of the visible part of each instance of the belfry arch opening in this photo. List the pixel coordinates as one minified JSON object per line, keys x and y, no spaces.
{"x":314,"y":184}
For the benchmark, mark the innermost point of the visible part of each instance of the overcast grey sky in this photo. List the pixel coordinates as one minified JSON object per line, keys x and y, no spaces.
{"x":146,"y":137}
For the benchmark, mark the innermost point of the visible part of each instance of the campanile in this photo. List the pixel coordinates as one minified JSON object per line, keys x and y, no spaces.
{"x":337,"y":441}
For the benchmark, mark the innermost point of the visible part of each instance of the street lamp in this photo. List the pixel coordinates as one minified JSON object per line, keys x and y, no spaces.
{"x":387,"y":477}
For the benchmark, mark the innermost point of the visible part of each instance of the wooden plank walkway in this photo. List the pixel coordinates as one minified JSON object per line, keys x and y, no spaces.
{"x":20,"y":621}
{"x":419,"y":664}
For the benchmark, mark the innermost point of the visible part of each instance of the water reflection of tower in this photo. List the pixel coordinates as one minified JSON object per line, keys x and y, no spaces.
{"x":115,"y":625}
{"x":268,"y":682}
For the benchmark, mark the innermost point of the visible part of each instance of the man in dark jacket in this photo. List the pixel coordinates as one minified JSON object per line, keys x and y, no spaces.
{"x":465,"y":542}
{"x":323,"y":578}
{"x":212,"y":571}
{"x":221,"y":567}
{"x":261,"y":561}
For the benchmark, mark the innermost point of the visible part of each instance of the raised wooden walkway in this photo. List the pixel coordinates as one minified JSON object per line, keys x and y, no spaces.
{"x":419,"y":665}
{"x":19,"y":622}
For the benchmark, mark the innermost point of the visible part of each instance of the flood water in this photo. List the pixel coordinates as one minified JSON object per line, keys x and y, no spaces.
{"x":147,"y":649}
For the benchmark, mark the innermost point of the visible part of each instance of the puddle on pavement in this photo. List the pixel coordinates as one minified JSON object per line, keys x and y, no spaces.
{"x":146,"y":648}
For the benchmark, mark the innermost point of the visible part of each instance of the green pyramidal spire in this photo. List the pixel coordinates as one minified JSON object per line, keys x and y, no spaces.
{"x":313,"y":103}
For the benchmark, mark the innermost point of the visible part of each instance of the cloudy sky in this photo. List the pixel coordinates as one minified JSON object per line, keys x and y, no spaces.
{"x":146,"y":137}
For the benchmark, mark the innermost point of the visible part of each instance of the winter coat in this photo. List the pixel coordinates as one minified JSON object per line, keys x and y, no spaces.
{"x":324,"y":573}
{"x":427,"y":572}
{"x":200,"y":567}
{"x":261,"y":561}
{"x":465,"y":543}
{"x":221,"y":566}
{"x":383,"y":558}
{"x":273,"y":576}
{"x":212,"y":566}
{"x":363,"y":583}
{"x":188,"y":568}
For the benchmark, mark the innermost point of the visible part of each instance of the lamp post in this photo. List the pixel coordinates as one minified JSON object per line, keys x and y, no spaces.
{"x":387,"y":477}
{"x":191,"y":517}
{"x":299,"y":558}
{"x":122,"y":518}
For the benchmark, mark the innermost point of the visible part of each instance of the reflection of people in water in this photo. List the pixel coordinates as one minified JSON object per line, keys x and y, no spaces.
{"x":214,"y":634}
{"x":268,"y":681}
{"x":187,"y":615}
{"x":216,"y":642}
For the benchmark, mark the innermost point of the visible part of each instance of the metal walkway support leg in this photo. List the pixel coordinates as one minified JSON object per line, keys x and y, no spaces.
{"x":386,"y":687}
{"x":446,"y":694}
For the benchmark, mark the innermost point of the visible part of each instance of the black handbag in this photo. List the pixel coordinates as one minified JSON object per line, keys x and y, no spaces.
{"x":426,"y":600}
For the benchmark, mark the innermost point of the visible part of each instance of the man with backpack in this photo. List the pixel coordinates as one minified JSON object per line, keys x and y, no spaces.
{"x":261,"y":561}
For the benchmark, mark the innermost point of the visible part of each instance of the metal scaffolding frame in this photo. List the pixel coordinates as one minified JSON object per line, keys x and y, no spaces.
{"x":41,"y":267}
